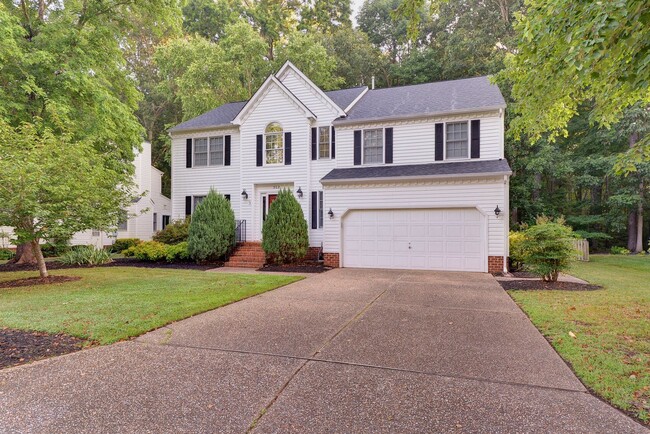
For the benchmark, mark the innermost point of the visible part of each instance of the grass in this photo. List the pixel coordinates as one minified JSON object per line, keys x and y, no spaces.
{"x":611,"y":350}
{"x":116,"y":303}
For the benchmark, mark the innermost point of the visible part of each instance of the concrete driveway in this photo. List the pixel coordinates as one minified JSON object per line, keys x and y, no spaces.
{"x":346,"y":351}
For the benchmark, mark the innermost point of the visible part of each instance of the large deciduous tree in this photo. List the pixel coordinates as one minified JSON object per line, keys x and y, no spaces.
{"x":63,"y":81}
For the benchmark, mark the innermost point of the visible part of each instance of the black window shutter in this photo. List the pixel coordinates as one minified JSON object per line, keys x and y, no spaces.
{"x":226,"y":151}
{"x":260,"y":151}
{"x":314,"y":144}
{"x":357,"y":147}
{"x":333,"y":143}
{"x":388,"y":146}
{"x":188,"y":205}
{"x":314,"y":210}
{"x":188,"y":153}
{"x":287,"y":149}
{"x":440,"y":140}
{"x":476,"y":139}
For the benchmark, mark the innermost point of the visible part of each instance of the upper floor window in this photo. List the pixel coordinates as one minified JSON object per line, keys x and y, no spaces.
{"x":457,"y":143}
{"x":201,"y":151}
{"x":274,"y":143}
{"x":216,"y":151}
{"x":208,"y":151}
{"x":373,"y":146}
{"x":324,"y":142}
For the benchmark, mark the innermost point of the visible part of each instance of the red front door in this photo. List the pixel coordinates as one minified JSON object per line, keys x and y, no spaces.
{"x":272,"y":198}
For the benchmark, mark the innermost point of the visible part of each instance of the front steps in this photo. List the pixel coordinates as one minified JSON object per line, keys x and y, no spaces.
{"x":247,"y":255}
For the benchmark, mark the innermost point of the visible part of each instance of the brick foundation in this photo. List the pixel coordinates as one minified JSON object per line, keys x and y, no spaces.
{"x":495,"y":264}
{"x":312,"y":253}
{"x":331,"y":259}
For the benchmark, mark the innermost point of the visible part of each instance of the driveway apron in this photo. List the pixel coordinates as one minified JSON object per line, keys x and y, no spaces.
{"x":349,"y":350}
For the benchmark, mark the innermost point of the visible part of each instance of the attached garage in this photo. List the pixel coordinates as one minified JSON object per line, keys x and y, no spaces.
{"x":427,"y":239}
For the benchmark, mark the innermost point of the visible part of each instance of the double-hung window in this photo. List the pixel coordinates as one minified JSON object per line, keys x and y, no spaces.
{"x":373,"y":146}
{"x":155,"y":222}
{"x":320,"y":209}
{"x":196,"y":202}
{"x":216,"y":151}
{"x":274,"y":149}
{"x":457,"y":143}
{"x":201,"y":151}
{"x":324,"y":142}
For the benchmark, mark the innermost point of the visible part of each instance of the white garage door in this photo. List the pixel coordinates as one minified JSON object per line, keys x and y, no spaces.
{"x":425,"y":239}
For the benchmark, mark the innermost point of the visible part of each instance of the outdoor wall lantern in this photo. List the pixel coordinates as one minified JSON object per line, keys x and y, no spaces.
{"x":497,"y":211}
{"x":244,"y":195}
{"x":299,"y":192}
{"x":330,"y":213}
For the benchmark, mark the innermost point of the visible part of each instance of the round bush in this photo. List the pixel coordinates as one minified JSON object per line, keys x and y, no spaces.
{"x":212,"y":228}
{"x":174,"y":233}
{"x":548,"y":248}
{"x":284,"y":235}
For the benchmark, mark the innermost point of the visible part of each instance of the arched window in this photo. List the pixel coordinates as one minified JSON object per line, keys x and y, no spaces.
{"x":274,"y":143}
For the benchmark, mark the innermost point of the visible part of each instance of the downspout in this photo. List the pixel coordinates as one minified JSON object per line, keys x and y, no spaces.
{"x":506,"y":222}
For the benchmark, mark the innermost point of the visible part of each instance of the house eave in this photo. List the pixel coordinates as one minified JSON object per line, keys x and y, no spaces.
{"x":229,"y":126}
{"x":413,"y":178}
{"x":345,"y":121}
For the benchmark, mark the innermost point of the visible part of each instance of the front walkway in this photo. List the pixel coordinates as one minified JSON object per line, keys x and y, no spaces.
{"x":345,"y":351}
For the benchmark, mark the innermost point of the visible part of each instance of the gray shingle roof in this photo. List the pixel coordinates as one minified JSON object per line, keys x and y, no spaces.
{"x":426,"y":99}
{"x":461,"y":168}
{"x":219,"y":117}
{"x":344,"y":97}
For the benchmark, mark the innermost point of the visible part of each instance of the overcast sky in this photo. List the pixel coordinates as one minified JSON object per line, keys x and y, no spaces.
{"x":356,"y":6}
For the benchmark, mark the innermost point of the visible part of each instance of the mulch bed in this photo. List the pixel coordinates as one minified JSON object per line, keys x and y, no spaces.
{"x":534,"y":285}
{"x":306,"y":267}
{"x":119,"y":262}
{"x":18,"y":346}
{"x":33,"y":281}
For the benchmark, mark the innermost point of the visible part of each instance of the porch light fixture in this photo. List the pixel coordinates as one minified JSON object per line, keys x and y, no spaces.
{"x":497,"y":211}
{"x":330,"y":213}
{"x":244,"y":195}
{"x":299,"y":193}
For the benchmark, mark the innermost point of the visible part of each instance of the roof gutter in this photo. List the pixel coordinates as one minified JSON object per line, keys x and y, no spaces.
{"x":345,"y":121}
{"x":208,"y":128}
{"x":410,"y":178}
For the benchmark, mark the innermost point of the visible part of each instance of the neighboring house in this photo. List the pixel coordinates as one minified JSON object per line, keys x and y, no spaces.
{"x":150,"y":212}
{"x":404,"y":177}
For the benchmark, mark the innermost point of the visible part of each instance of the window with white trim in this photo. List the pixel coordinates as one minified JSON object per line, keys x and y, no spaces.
{"x":457,"y":140}
{"x":197,"y":200}
{"x":201,"y":151}
{"x":274,"y":147}
{"x":324,"y":142}
{"x":373,"y":146}
{"x":155,"y":221}
{"x":216,"y":151}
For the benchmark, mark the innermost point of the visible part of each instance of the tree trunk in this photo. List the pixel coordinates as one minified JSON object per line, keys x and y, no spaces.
{"x":635,"y":218}
{"x":631,"y":231}
{"x":40,"y":260}
{"x":24,"y":255}
{"x":639,"y":223}
{"x":537,"y":186}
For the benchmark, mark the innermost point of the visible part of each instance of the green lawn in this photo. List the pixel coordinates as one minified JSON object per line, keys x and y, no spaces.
{"x":611,"y":350}
{"x":111,"y":304}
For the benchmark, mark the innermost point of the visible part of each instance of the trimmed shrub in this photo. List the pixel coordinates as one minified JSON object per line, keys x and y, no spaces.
{"x":177,"y":252}
{"x":548,"y":248}
{"x":517,"y":251}
{"x":174,"y":233}
{"x":54,"y":248}
{"x":285,"y":237}
{"x":85,"y":255}
{"x":122,"y":244}
{"x":212,"y":228}
{"x":616,"y":250}
{"x":147,"y":251}
{"x":6,"y":254}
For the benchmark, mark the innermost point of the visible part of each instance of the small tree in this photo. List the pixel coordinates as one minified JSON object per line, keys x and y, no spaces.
{"x":284,"y":234}
{"x":212,"y":228}
{"x":547,"y":248}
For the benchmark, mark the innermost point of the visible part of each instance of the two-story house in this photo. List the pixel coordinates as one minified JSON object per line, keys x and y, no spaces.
{"x":407,"y":177}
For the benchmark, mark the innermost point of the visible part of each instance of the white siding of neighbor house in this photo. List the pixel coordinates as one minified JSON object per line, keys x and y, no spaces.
{"x":414,"y":141}
{"x":483,"y":193}
{"x":197,"y":181}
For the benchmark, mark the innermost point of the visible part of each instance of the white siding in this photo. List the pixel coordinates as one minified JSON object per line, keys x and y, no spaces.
{"x":310,"y":97}
{"x":414,"y":141}
{"x":484,"y":194}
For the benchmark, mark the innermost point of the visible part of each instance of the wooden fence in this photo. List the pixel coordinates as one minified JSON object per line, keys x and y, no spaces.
{"x":582,"y":250}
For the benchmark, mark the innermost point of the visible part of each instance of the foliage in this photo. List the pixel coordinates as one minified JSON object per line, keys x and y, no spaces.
{"x":610,"y":347}
{"x":147,"y":251}
{"x":517,"y":252}
{"x":284,"y":234}
{"x":573,"y":52}
{"x":212,"y":228}
{"x":55,"y":248}
{"x":124,"y":302}
{"x":617,"y":250}
{"x":177,"y":252}
{"x":85,"y":255}
{"x":325,"y":16}
{"x":547,"y":248}
{"x":122,"y":244}
{"x":6,"y":254}
{"x":175,"y":232}
{"x":209,"y":18}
